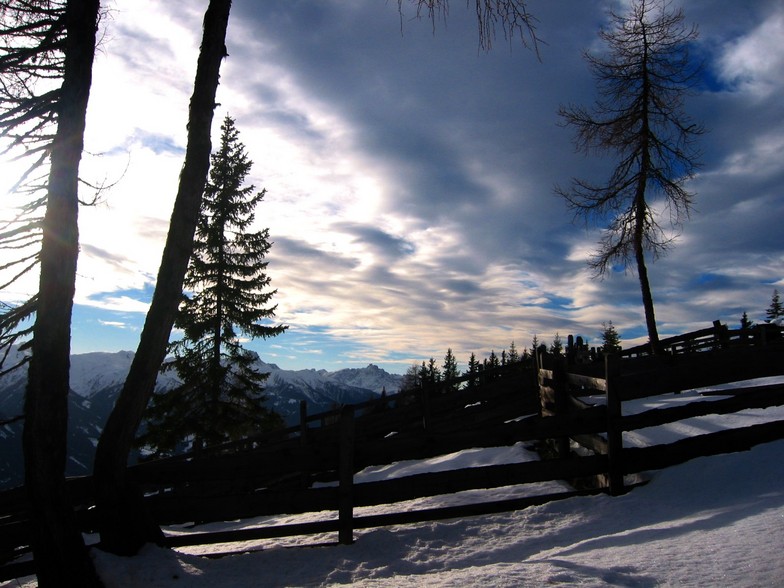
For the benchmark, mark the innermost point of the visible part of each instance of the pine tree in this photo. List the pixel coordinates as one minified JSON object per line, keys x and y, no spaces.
{"x":745,"y":321}
{"x":557,"y":347}
{"x":432,"y":371}
{"x":221,"y":398}
{"x":611,"y":340}
{"x":449,"y":369}
{"x":513,"y":356}
{"x":775,"y":310}
{"x":493,"y":362}
{"x":473,"y":370}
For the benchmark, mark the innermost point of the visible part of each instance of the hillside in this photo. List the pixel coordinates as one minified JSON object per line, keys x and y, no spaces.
{"x":714,"y":521}
{"x":96,"y":380}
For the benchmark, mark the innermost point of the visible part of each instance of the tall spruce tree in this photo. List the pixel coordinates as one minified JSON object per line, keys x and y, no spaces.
{"x":775,"y":311}
{"x":473,"y":369}
{"x":221,"y":398}
{"x":513,"y":356}
{"x":450,"y":371}
{"x":611,"y":340}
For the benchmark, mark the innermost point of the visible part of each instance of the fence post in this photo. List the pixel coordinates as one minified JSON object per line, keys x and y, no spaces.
{"x":303,"y":422}
{"x":346,"y":477}
{"x":561,"y":401}
{"x":721,"y":334}
{"x":612,"y":369}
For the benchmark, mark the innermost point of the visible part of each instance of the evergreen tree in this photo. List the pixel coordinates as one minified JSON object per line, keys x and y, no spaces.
{"x":411,"y":379}
{"x":449,"y":369}
{"x":432,"y":371}
{"x":535,"y":344}
{"x":745,"y":321}
{"x":473,"y":370}
{"x":221,"y":397}
{"x":492,"y":362}
{"x":557,"y":347}
{"x":513,"y":356}
{"x":775,"y":310}
{"x":611,"y":340}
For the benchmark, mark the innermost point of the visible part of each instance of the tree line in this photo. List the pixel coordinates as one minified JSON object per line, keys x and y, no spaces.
{"x":774,"y":313}
{"x":430,"y":372}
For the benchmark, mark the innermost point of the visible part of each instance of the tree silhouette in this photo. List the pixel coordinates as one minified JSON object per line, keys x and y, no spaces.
{"x":43,"y":122}
{"x":611,"y":340}
{"x":221,"y":398}
{"x":124,"y":523}
{"x":511,"y":15}
{"x":473,"y":369}
{"x":449,"y":369}
{"x":776,"y":310}
{"x":32,"y":58}
{"x":642,"y":80}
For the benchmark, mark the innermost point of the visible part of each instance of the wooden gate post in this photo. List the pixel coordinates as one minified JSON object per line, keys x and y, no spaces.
{"x":561,"y":401}
{"x":346,"y":477}
{"x":612,"y":369}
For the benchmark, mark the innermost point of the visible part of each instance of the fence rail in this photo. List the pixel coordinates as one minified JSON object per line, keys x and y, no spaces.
{"x":550,"y":404}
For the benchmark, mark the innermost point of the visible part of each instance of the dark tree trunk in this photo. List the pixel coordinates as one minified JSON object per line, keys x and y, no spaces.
{"x":60,"y":555}
{"x":641,"y":212}
{"x":123,"y":522}
{"x":647,"y":300}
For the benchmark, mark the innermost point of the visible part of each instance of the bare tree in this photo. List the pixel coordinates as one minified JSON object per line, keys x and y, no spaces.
{"x":32,"y":61}
{"x":47,"y":42}
{"x":642,"y":81}
{"x":124,"y":522}
{"x":511,"y":15}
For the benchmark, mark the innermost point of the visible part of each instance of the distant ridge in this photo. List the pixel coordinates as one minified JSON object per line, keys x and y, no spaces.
{"x":96,"y":380}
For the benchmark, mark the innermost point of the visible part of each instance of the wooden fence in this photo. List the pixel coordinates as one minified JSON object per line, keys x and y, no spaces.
{"x":699,"y":359}
{"x":274,"y":474}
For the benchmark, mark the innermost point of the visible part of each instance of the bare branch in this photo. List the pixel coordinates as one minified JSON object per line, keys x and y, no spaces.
{"x":511,"y":16}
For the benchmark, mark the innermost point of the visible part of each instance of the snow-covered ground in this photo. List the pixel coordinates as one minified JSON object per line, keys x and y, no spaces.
{"x":716,"y":521}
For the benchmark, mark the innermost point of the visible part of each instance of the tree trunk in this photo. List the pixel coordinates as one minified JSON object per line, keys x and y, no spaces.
{"x":60,"y":555}
{"x":647,"y":297}
{"x":123,"y":522}
{"x":641,"y":212}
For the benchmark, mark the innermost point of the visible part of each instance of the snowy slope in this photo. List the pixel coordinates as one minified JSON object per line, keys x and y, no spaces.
{"x":716,"y":521}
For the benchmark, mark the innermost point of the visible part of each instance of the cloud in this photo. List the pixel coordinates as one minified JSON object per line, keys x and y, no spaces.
{"x":754,"y":61}
{"x":410,"y":176}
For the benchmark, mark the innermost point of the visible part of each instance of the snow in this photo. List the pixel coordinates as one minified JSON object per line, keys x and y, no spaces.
{"x":715,"y":521}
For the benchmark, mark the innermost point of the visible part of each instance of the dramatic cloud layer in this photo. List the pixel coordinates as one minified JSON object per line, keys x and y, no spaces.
{"x":410,"y":175}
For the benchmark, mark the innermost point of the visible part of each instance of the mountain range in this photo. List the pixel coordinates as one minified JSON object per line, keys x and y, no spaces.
{"x":97,"y":378}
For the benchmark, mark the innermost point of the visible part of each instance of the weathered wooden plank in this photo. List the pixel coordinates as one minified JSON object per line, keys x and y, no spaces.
{"x":586,"y":385}
{"x":373,"y":521}
{"x":763,"y":397}
{"x":595,"y":443}
{"x":651,"y":376}
{"x":614,"y":432}
{"x":639,"y":459}
{"x":346,"y":475}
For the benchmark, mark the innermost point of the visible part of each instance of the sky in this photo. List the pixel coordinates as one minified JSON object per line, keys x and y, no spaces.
{"x":410,"y":176}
